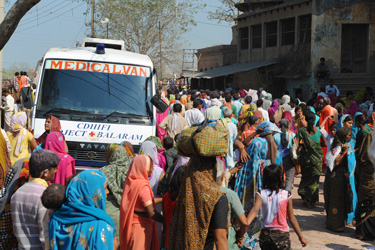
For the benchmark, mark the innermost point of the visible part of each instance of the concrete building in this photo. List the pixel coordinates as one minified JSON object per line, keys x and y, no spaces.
{"x":284,"y":40}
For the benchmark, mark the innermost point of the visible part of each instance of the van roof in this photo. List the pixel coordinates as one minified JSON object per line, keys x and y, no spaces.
{"x":88,"y":54}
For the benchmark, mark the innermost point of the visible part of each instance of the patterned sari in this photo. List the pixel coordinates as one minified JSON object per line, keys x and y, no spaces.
{"x":249,"y":181}
{"x":311,"y":167}
{"x":81,"y":222}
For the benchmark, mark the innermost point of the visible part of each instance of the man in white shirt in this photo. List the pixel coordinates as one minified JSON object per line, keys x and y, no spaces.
{"x":232,"y":129}
{"x":265,"y":115}
{"x":194,"y":115}
{"x":332,"y":89}
{"x":8,"y":108}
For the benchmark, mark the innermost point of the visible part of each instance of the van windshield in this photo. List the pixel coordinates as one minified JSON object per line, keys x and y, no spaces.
{"x":94,"y":87}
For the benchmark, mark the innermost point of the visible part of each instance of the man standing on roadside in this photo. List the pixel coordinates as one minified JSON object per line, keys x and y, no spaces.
{"x":8,"y":109}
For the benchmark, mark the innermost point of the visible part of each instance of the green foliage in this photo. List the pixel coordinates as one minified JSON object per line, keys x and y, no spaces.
{"x":137,"y":23}
{"x":227,"y":12}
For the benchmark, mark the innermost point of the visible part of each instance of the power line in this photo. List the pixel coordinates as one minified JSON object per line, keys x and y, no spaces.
{"x":37,"y":18}
{"x":40,"y":15}
{"x":214,"y":24}
{"x":51,"y":18}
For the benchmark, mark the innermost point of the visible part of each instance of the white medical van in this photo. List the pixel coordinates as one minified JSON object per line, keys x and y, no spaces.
{"x":101,"y":95}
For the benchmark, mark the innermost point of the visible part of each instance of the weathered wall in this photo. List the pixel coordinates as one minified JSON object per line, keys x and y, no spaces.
{"x":269,"y":53}
{"x":327,"y":20}
{"x":248,"y":80}
{"x":213,"y":57}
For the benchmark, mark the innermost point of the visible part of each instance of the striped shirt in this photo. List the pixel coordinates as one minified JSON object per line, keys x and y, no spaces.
{"x":27,"y":216}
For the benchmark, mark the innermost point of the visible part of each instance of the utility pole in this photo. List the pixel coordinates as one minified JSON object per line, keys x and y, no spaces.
{"x":92,"y":17}
{"x":2,"y":11}
{"x":161,"y":62}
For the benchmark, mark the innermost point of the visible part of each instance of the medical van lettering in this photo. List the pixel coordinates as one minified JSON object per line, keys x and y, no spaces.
{"x":98,"y":67}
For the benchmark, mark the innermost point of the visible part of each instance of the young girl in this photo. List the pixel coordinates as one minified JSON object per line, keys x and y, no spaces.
{"x":276,"y":206}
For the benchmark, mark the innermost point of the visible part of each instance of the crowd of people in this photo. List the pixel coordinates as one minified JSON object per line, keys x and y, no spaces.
{"x":160,"y":198}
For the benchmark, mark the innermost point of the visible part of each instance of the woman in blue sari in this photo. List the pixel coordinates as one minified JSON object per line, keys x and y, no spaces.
{"x":263,"y":152}
{"x":346,"y":121}
{"x":81,"y":222}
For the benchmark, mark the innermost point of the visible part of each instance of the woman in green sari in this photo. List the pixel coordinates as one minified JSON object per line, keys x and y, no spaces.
{"x":365,"y":168}
{"x":310,"y":159}
{"x":338,"y":194}
{"x":115,"y":173}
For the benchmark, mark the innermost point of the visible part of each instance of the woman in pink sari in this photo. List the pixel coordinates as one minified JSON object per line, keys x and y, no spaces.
{"x":66,"y":168}
{"x":159,"y":118}
{"x":274,"y":107}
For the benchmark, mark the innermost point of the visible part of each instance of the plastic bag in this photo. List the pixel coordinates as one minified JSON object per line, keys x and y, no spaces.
{"x":331,"y":157}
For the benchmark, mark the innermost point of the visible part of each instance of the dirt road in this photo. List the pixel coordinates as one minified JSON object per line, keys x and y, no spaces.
{"x":312,"y":223}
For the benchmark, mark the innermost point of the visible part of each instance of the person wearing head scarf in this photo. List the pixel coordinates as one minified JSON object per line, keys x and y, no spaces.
{"x":21,"y":140}
{"x":249,"y":129}
{"x":201,"y":211}
{"x":345,"y":121}
{"x":338,"y":194}
{"x":137,"y":211}
{"x":274,"y":107}
{"x":160,"y":116}
{"x":365,"y":168}
{"x":129,"y":148}
{"x":149,"y":148}
{"x":52,"y":124}
{"x":4,"y":160}
{"x":284,"y":141}
{"x":340,"y":109}
{"x":259,"y":115}
{"x":365,"y":214}
{"x":288,"y":116}
{"x":66,"y":168}
{"x":310,"y":159}
{"x":115,"y":173}
{"x":159,"y":146}
{"x":371,"y":122}
{"x":356,"y":129}
{"x":81,"y":222}
{"x":267,"y":101}
{"x":263,"y":152}
{"x":353,"y":109}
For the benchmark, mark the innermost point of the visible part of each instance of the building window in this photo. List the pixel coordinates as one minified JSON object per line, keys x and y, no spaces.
{"x":305,"y":29}
{"x":271,"y":34}
{"x":256,"y":36}
{"x":287,"y":31}
{"x":244,"y":38}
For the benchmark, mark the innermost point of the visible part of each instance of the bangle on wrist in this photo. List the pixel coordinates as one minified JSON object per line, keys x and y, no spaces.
{"x":242,"y":148}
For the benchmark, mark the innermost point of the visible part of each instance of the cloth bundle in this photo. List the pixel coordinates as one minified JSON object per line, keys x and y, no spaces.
{"x":208,"y":139}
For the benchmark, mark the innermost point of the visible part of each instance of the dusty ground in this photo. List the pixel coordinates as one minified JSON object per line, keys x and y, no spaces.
{"x":312,"y":223}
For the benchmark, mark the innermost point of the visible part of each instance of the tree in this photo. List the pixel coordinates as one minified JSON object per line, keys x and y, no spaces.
{"x":12,"y":19}
{"x":227,"y":12}
{"x":138,"y":23}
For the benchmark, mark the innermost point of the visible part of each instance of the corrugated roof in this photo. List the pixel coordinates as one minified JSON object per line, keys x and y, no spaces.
{"x":231,"y":69}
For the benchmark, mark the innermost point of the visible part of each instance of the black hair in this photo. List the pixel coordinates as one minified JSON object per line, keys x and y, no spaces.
{"x":251,"y":120}
{"x":17,"y":73}
{"x":177,"y":108}
{"x":54,"y":196}
{"x":298,"y":108}
{"x":348,"y":119}
{"x":228,"y":98}
{"x":249,"y":99}
{"x":295,"y":101}
{"x":178,"y":97}
{"x":259,"y":103}
{"x":322,"y":58}
{"x":361,"y":119}
{"x":333,"y":126}
{"x":42,"y":159}
{"x":197,"y":102}
{"x":18,"y":101}
{"x":168,"y":142}
{"x":6,"y":91}
{"x":193,"y":97}
{"x":310,"y":118}
{"x":236,"y":97}
{"x":176,"y":181}
{"x":272,"y":119}
{"x":284,"y":126}
{"x":286,"y":92}
{"x":304,"y":108}
{"x":273,"y":178}
{"x":349,"y":93}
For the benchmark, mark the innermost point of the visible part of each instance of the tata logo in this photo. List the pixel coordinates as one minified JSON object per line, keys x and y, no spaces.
{"x":91,"y":155}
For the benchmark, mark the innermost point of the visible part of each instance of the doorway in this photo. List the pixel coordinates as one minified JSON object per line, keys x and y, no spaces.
{"x":354,"y":47}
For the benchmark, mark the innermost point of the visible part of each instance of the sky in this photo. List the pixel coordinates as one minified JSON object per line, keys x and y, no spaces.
{"x":61,"y":23}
